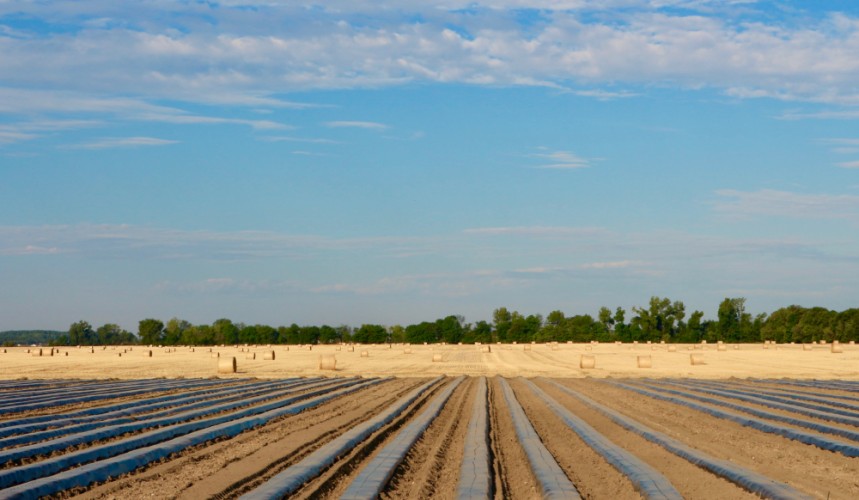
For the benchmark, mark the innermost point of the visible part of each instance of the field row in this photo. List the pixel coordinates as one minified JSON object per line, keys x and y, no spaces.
{"x":446,"y":437}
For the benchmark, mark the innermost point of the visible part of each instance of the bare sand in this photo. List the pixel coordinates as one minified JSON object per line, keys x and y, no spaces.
{"x":560,"y":361}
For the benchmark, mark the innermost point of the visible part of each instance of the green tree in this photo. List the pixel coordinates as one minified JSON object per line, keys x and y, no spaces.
{"x":150,"y":331}
{"x":81,"y":333}
{"x":225,"y":332}
{"x":175,"y":330}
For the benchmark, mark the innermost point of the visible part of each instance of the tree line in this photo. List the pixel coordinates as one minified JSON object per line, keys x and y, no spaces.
{"x":661,"y":320}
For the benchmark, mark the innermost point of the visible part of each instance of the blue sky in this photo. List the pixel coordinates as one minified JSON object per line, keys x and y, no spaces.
{"x":394,"y":162}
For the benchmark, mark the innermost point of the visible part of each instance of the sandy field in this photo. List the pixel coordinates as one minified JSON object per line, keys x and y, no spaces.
{"x":559,"y":361}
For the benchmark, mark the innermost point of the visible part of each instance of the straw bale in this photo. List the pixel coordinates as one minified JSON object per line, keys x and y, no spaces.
{"x":227,"y":364}
{"x":268,"y":355}
{"x":587,"y":361}
{"x":696,"y":359}
{"x":327,"y":362}
{"x":436,"y":358}
{"x":645,"y":361}
{"x":365,"y":354}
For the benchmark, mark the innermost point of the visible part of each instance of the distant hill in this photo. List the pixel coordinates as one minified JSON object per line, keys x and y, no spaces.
{"x":27,"y":337}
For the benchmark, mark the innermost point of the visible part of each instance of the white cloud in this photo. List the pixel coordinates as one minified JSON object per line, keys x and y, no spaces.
{"x":562,"y":160}
{"x":768,"y":202}
{"x":230,"y":55}
{"x":544,"y":231}
{"x":849,"y":164}
{"x":124,"y":142}
{"x":356,"y":124}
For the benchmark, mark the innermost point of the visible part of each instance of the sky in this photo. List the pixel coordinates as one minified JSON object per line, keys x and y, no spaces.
{"x":349,"y":162}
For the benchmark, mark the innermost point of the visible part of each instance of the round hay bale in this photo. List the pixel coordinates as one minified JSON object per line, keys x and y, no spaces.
{"x":587,"y":361}
{"x":227,"y":364}
{"x":645,"y":361}
{"x":589,"y":348}
{"x":436,"y":358}
{"x":852,"y":342}
{"x":337,"y":348}
{"x":251,"y":355}
{"x":365,"y":354}
{"x":66,"y":353}
{"x":216,"y":355}
{"x":672,"y":348}
{"x":148,"y":353}
{"x":527,"y":347}
{"x":36,"y":352}
{"x":350,"y":349}
{"x":696,"y":359}
{"x":119,"y":354}
{"x":268,"y":356}
{"x":407,"y":350}
{"x":836,"y":348}
{"x":807,"y":347}
{"x":486,"y":348}
{"x":736,"y":347}
{"x":327,"y":362}
{"x":721,"y":347}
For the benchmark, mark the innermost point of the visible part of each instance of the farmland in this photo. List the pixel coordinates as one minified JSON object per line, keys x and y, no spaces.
{"x":479,"y":421}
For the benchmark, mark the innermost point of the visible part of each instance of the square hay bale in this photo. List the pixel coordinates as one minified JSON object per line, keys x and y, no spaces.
{"x":696,"y":359}
{"x":327,"y":362}
{"x":645,"y":361}
{"x":587,"y":361}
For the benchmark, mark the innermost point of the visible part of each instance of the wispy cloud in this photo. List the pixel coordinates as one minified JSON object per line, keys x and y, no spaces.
{"x":768,"y":202}
{"x":124,"y":142}
{"x":308,"y":140}
{"x":542,"y":231}
{"x":356,"y":124}
{"x":561,"y":160}
{"x":849,"y":164}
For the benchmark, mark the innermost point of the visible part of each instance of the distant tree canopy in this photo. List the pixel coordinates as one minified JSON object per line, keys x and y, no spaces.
{"x":661,"y":320}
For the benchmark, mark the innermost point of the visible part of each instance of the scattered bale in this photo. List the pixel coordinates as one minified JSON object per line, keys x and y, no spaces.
{"x":589,"y":348}
{"x":268,"y":356}
{"x":587,"y":361}
{"x":337,"y":348}
{"x":216,"y":355}
{"x":251,"y":355}
{"x":36,"y":352}
{"x":852,"y":342}
{"x":66,"y":353}
{"x":148,"y":353}
{"x":527,"y":347}
{"x":327,"y":362}
{"x":486,"y":348}
{"x":807,"y":347}
{"x":736,"y":347}
{"x":407,"y":350}
{"x":696,"y":359}
{"x":645,"y":361}
{"x":365,"y":354}
{"x":227,"y":364}
{"x":119,"y":354}
{"x":672,"y":348}
{"x":350,"y":349}
{"x":286,"y":348}
{"x":836,"y":348}
{"x":436,"y":358}
{"x":721,"y":347}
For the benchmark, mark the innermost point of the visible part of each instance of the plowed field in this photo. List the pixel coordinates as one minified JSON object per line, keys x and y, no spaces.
{"x":429,"y":437}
